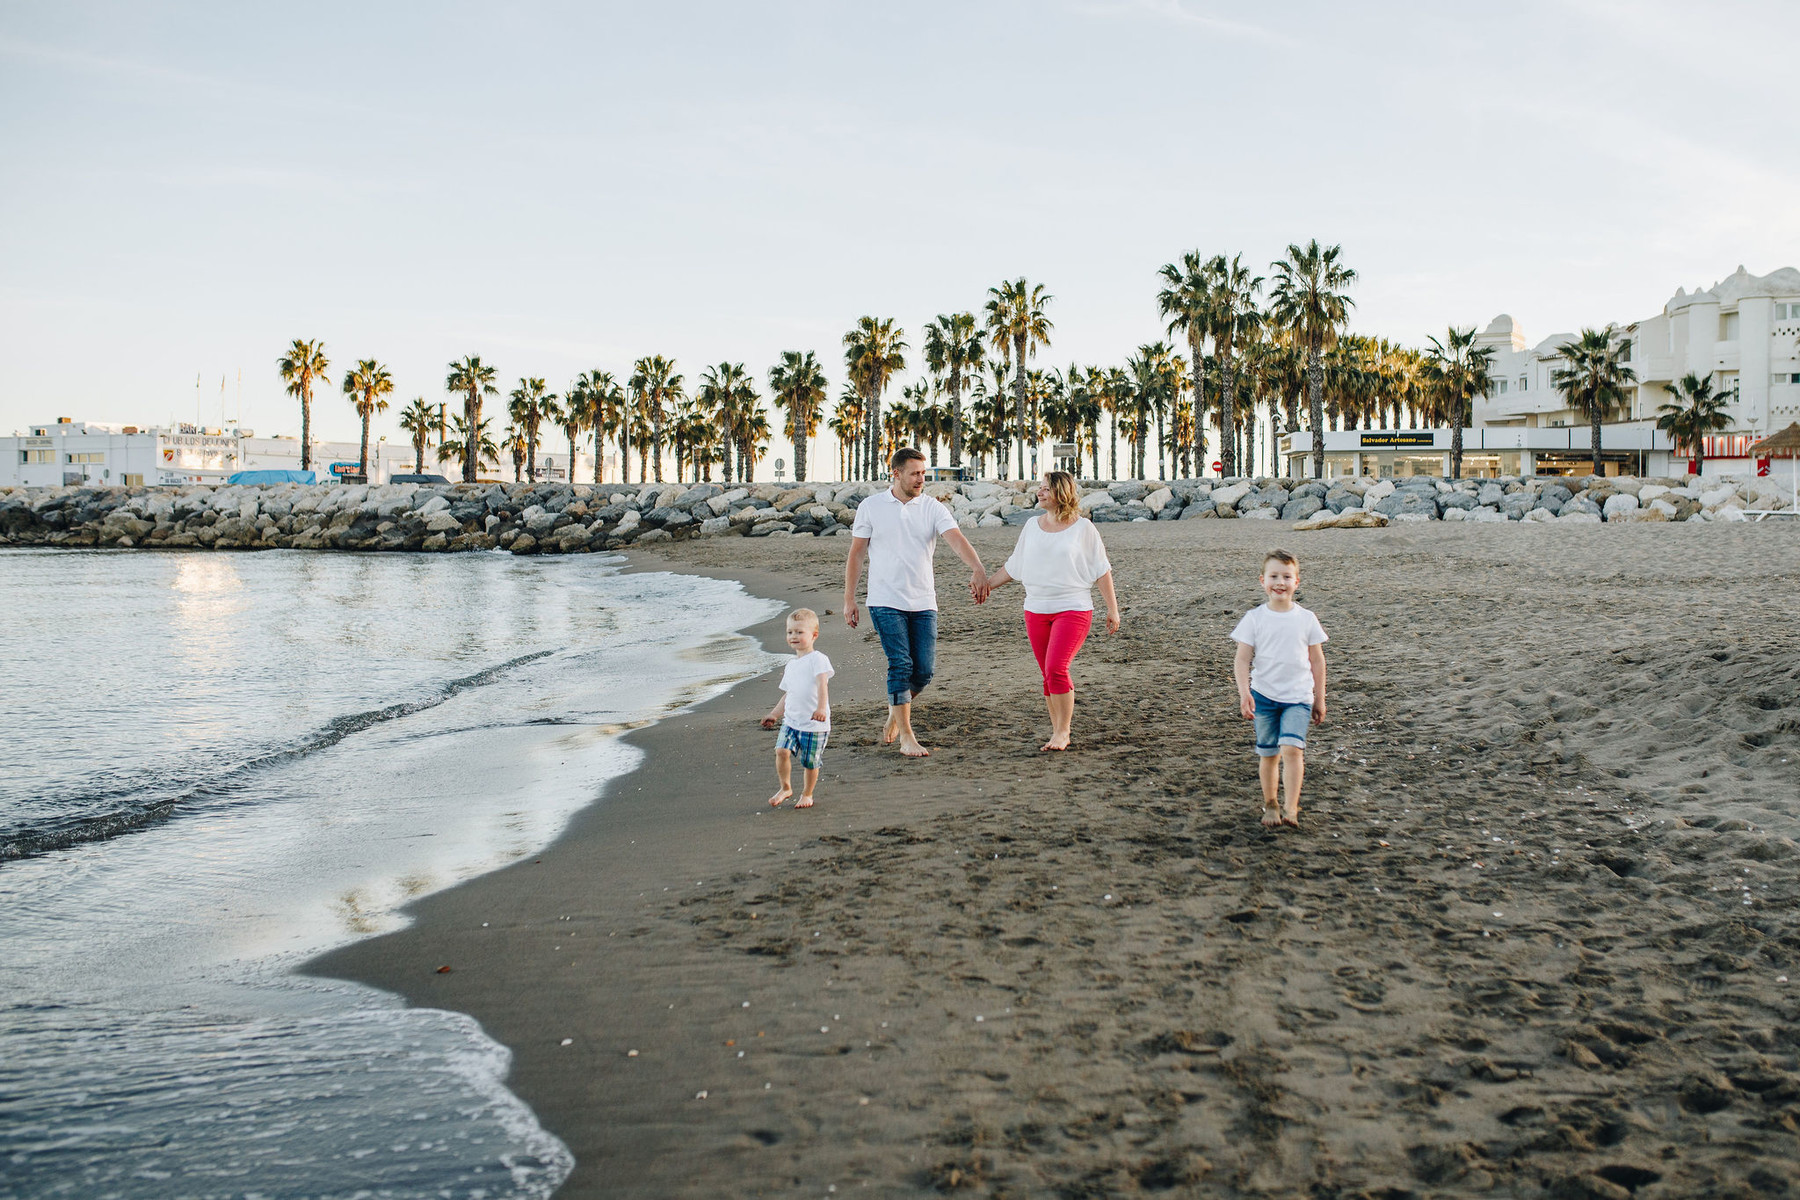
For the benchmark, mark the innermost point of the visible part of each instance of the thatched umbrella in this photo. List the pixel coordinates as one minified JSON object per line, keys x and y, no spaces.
{"x":1787,"y":444}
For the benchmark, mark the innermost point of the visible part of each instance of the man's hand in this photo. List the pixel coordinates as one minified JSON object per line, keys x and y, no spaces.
{"x":979,"y":588}
{"x":1247,"y":707}
{"x":851,"y":615}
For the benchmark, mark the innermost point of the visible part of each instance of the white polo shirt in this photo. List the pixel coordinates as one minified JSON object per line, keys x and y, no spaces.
{"x":902,"y":538}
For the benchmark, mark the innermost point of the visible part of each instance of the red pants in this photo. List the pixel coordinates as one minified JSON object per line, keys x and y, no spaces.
{"x":1055,"y":637}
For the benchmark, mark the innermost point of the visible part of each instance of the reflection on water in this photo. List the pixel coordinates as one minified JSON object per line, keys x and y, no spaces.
{"x":329,"y":737}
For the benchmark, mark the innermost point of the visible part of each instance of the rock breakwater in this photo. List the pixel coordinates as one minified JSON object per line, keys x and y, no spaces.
{"x":554,"y":518}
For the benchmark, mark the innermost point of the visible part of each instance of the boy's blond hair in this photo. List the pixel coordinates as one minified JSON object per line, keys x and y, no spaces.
{"x":804,"y":616}
{"x":1281,"y":556}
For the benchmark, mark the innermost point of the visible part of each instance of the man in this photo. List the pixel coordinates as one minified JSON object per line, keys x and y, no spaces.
{"x":897,"y":530}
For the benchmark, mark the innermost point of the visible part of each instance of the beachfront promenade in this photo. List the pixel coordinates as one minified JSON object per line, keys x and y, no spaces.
{"x":565,"y":519}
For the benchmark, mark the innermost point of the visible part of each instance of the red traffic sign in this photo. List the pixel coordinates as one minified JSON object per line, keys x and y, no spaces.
{"x":1217,"y":465}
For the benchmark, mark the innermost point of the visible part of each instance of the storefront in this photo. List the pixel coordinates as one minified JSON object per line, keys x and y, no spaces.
{"x":1488,"y":453}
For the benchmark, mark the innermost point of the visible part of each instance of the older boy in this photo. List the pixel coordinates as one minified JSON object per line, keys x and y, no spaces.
{"x":1280,"y":673}
{"x":897,"y":530}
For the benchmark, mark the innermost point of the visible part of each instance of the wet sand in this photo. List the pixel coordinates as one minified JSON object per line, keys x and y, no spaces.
{"x":1530,"y":938}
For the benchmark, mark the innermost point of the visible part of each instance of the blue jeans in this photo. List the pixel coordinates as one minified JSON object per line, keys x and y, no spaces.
{"x":1279,"y":723}
{"x":909,"y":639}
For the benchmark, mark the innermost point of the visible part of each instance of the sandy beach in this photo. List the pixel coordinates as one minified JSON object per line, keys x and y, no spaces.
{"x":1534,"y":937}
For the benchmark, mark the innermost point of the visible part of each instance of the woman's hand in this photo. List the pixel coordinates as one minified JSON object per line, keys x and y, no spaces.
{"x":1112,"y":620}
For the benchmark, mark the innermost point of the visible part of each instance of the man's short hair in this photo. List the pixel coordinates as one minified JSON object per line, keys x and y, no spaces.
{"x":1281,"y":556}
{"x":904,"y":455}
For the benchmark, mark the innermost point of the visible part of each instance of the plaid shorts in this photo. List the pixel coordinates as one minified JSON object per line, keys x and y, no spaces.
{"x":808,"y":749}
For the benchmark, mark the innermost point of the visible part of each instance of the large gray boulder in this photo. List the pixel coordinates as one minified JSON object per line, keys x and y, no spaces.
{"x":1127,"y":490}
{"x":1458,"y":500}
{"x":1301,"y":507}
{"x":1412,"y":502}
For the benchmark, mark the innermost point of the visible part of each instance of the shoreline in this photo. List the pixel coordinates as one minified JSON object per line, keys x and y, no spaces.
{"x":1496,"y":957}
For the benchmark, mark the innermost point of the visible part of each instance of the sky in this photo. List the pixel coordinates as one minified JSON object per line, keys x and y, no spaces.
{"x":186,"y":188}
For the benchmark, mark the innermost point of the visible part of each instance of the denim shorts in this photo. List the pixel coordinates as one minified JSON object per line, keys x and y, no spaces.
{"x":1280,"y":724}
{"x":808,"y":749}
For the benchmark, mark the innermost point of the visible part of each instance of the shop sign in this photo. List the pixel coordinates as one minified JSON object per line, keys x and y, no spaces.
{"x":354,"y":468}
{"x":1402,"y":437}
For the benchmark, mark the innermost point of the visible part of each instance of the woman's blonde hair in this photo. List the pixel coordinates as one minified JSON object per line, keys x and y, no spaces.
{"x":1065,"y":499}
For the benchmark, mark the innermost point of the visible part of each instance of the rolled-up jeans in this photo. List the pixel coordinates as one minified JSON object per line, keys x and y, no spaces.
{"x":909,"y":639}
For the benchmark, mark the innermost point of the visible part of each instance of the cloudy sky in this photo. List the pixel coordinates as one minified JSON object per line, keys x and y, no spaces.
{"x":564,"y":186}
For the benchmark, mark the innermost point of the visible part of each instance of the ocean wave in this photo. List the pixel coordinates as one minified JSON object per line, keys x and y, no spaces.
{"x":136,"y":802}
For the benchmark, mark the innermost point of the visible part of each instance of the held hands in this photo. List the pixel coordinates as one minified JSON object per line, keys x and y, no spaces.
{"x":979,"y":588}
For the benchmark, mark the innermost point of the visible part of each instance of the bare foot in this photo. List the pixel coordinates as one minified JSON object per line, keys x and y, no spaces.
{"x":803,"y":802}
{"x":1058,"y":741}
{"x":778,"y":797}
{"x":1271,"y":816}
{"x":892,"y":731}
{"x":1290,"y":815}
{"x":912,"y":749}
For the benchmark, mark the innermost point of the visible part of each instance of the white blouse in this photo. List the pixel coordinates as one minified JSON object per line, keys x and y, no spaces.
{"x":1058,"y":569}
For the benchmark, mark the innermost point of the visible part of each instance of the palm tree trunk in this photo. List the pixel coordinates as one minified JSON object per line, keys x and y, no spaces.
{"x":306,"y":427}
{"x":1094,"y":447}
{"x":1315,"y":403}
{"x":1596,"y":428}
{"x":418,"y":456}
{"x":472,"y":414}
{"x":800,"y":423}
{"x":624,"y":455}
{"x":1228,"y":409}
{"x":1112,"y":462}
{"x":956,"y":430}
{"x":599,"y":451}
{"x":363,"y":464}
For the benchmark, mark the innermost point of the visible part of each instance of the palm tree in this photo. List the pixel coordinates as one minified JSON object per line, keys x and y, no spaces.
{"x":368,"y":386}
{"x":1698,"y":411}
{"x":303,"y":365}
{"x":1459,"y":369}
{"x":875,"y":351}
{"x":1187,"y":302}
{"x":1309,"y":298}
{"x":954,"y":352}
{"x":797,"y":384}
{"x":1235,"y":315}
{"x":419,"y":419}
{"x":464,"y":439}
{"x":513,"y":441}
{"x":728,"y":395}
{"x":655,"y":382}
{"x":1015,"y":318}
{"x":472,"y":379}
{"x":604,"y":401}
{"x":979,"y":443}
{"x":1594,"y":380}
{"x":574,"y":417}
{"x":846,"y":423}
{"x":1116,"y":395}
{"x":993,"y":409}
{"x":527,"y":412}
{"x":753,"y":439}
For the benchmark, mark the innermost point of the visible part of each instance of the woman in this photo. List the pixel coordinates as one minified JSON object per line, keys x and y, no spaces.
{"x":1059,"y":558}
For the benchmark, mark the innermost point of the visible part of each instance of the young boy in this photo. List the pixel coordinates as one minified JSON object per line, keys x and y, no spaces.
{"x":804,"y":713}
{"x":1281,"y":682}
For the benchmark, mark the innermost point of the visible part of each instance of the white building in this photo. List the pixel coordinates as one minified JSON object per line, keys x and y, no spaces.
{"x":1741,"y":333}
{"x":97,"y":455}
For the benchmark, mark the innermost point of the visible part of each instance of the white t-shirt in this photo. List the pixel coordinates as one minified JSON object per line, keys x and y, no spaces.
{"x":1282,"y":668}
{"x":1058,"y":569}
{"x":902,"y":538}
{"x":802,"y":679}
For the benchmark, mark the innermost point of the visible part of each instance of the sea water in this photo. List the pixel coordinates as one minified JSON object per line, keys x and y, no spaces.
{"x":214,"y":766}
